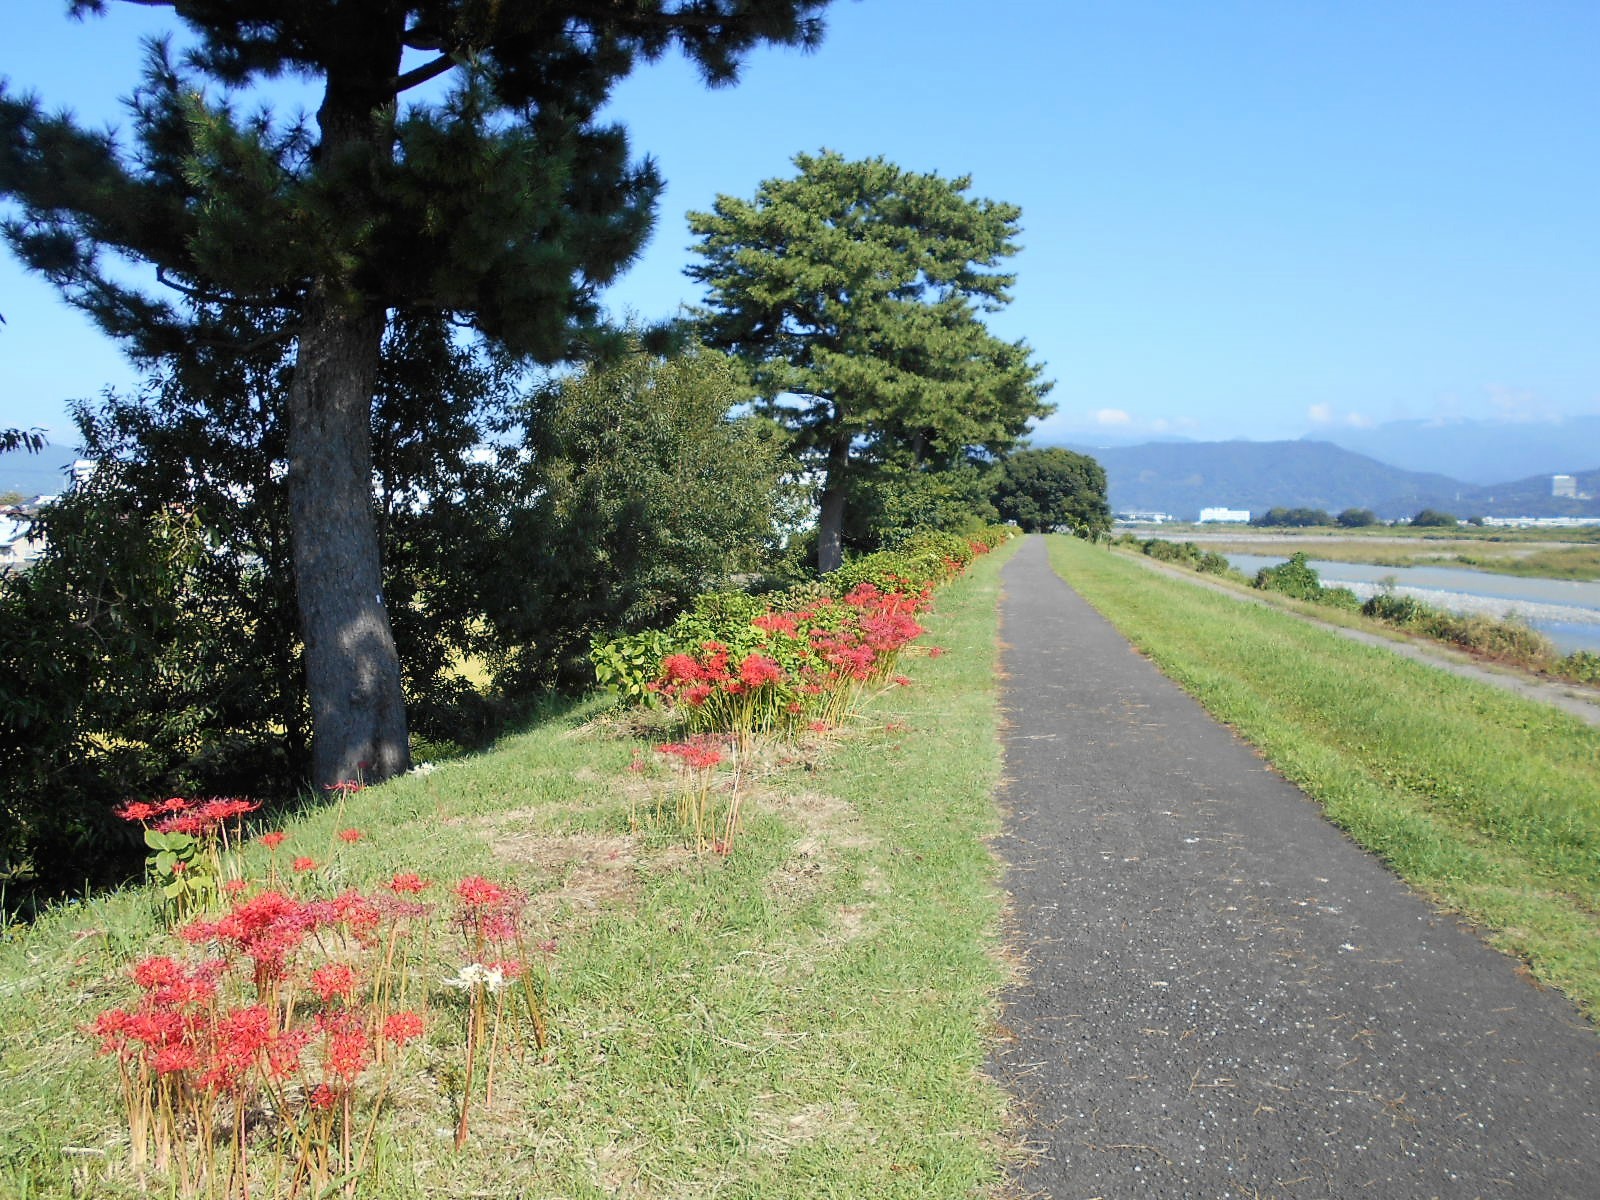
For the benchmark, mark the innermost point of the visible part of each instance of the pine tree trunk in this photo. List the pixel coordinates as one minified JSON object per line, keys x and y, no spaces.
{"x":358,"y":720}
{"x":830,"y":521}
{"x":358,"y":716}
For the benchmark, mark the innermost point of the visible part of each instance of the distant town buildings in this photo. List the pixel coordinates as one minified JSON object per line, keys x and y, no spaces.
{"x":1233,"y":516}
{"x":1566,"y":486}
{"x":1540,"y":522}
{"x":1145,"y":516}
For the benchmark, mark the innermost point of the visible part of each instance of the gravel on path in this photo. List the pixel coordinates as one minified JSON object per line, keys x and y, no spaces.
{"x":1223,"y":996}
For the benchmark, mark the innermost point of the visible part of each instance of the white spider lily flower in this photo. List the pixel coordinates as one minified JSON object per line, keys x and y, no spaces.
{"x":475,"y":974}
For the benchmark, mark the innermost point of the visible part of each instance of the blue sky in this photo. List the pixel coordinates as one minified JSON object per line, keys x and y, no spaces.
{"x":1258,"y":219}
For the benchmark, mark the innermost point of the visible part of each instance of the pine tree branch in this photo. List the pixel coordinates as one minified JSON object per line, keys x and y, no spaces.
{"x":420,"y":75}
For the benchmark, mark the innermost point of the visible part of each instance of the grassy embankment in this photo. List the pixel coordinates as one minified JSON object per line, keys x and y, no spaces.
{"x":1502,"y":552}
{"x":1487,"y":803}
{"x":804,"y":1017}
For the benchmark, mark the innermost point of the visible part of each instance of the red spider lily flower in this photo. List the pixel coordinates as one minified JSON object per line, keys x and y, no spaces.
{"x":239,"y":1038}
{"x":699,"y":694}
{"x":283,"y":1056}
{"x":510,"y":968}
{"x":335,"y":981}
{"x":407,"y":883}
{"x":350,"y":835}
{"x":548,"y":945}
{"x":173,"y":804}
{"x":304,"y":864}
{"x":347,"y":786}
{"x":694,"y":755}
{"x":757,"y":670}
{"x":352,"y":910}
{"x":191,"y":823}
{"x":348,"y":1046}
{"x":182,"y":1056}
{"x":679,"y":668}
{"x":788,"y":623}
{"x":111,"y":1027}
{"x":272,"y":840}
{"x":236,"y":887}
{"x":136,"y":810}
{"x":226,"y":808}
{"x":819,"y":727}
{"x":401,"y":1027}
{"x":902,"y":681}
{"x":156,"y":971}
{"x":935,"y":651}
{"x":478,"y":892}
{"x":322,"y":1097}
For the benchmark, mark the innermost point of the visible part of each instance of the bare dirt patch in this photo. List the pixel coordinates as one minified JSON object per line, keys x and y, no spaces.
{"x":587,"y":872}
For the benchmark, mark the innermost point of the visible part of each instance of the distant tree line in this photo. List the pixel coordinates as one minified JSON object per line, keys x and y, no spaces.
{"x":1350,"y":518}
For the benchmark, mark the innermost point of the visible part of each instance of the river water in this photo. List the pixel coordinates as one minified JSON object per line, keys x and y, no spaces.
{"x":1565,"y":611}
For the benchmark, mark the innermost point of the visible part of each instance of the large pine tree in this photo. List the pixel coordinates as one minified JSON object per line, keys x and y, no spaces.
{"x":495,"y":198}
{"x":856,"y":289}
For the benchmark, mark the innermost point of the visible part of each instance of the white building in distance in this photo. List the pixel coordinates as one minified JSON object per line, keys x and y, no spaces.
{"x":1235,"y":516}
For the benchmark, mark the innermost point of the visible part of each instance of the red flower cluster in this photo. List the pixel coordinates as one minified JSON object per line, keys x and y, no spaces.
{"x":487,"y":912}
{"x":794,"y":664}
{"x":194,"y":817}
{"x":698,"y":753}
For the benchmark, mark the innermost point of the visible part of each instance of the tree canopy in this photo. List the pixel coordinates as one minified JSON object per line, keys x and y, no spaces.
{"x":855,"y":290}
{"x":1292,"y":518}
{"x":502,"y":203}
{"x":1042,"y":490}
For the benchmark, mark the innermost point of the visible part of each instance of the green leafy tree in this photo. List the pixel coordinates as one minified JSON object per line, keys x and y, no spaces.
{"x":1292,"y":518}
{"x":1043,"y":489}
{"x":503,"y":202}
{"x":632,"y":492}
{"x":1357,"y":518}
{"x":896,"y":500}
{"x":1432,"y":518}
{"x":856,"y":291}
{"x":169,"y":574}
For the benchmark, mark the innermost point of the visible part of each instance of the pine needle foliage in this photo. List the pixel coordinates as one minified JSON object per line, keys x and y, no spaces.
{"x":455,"y":164}
{"x":857,"y":290}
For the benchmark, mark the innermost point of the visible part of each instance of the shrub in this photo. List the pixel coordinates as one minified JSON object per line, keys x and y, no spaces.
{"x":1296,"y":578}
{"x":1582,"y":666}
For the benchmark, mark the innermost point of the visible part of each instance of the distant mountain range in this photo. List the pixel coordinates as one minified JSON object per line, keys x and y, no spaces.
{"x":30,"y":475}
{"x":1479,"y":452}
{"x":1181,"y":478}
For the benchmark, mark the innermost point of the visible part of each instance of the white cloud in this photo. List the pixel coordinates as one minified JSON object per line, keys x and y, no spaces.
{"x":1326,"y":414}
{"x":1110,"y":416}
{"x":1519,"y":404}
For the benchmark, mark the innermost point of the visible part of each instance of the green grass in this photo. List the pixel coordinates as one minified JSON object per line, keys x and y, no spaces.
{"x":1499,"y":552}
{"x":803,"y":1018}
{"x":1488,"y":803}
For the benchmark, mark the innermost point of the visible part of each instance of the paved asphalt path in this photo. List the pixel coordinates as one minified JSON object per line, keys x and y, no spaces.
{"x":1223,"y":995}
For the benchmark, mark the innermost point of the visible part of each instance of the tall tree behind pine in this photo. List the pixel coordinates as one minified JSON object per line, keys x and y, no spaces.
{"x":503,"y":203}
{"x":856,"y":291}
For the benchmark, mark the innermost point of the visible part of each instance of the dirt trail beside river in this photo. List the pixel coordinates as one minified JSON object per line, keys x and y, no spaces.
{"x":1224,"y":996}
